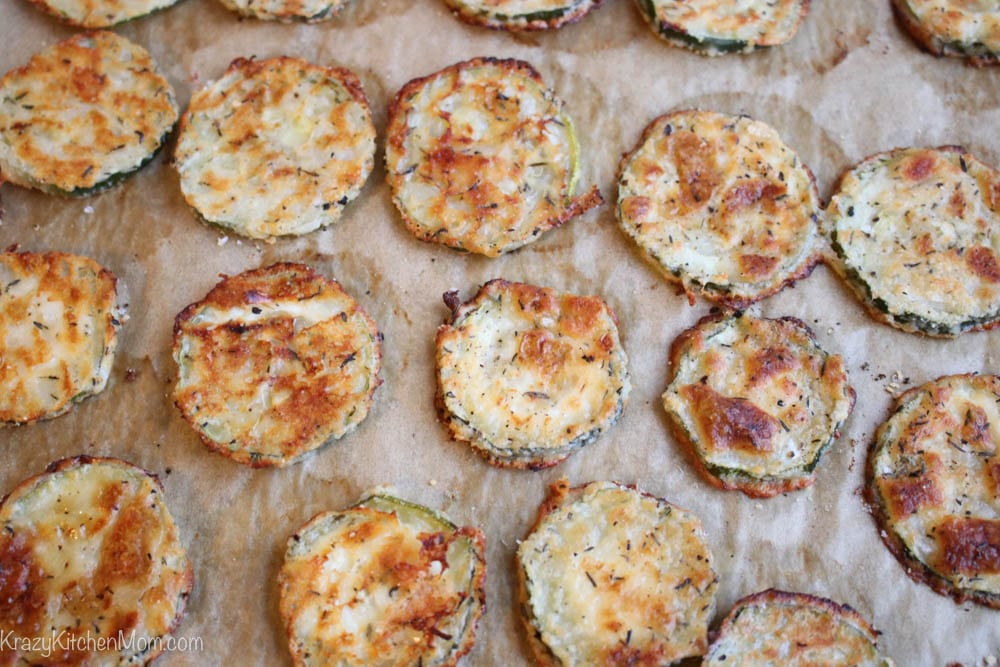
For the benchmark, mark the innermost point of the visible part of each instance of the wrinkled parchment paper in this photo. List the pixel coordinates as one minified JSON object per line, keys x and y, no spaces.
{"x":850,"y":84}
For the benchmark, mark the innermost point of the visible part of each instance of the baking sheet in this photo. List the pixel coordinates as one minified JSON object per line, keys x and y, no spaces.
{"x":850,"y":84}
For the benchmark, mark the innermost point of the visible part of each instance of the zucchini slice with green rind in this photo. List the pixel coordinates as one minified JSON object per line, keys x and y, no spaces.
{"x":286,"y":11}
{"x":521,"y":15}
{"x":953,"y":28}
{"x":100,"y":13}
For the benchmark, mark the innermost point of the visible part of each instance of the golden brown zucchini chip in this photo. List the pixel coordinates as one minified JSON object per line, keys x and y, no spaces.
{"x":720,"y":205}
{"x":385,"y":582}
{"x":274,"y":363}
{"x":612,"y":576}
{"x":82,"y":115}
{"x":275,"y":147}
{"x":756,"y":401}
{"x":521,"y":15}
{"x":92,"y":570}
{"x":100,"y":13}
{"x":778,"y":629}
{"x":934,"y":486}
{"x":717,"y":27}
{"x":964,"y":28}
{"x":286,"y":11}
{"x":912,"y":230}
{"x":59,"y":321}
{"x":481,"y":157}
{"x":527,"y":375}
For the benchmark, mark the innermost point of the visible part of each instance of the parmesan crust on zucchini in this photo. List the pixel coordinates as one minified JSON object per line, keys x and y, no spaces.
{"x":913,"y":234}
{"x":274,"y":363}
{"x":612,"y":576}
{"x":964,"y":28}
{"x":90,"y":557}
{"x":82,"y":115}
{"x":100,"y":13}
{"x":275,"y":147}
{"x":386,"y":582}
{"x":721,"y":205}
{"x":527,"y":375}
{"x":933,"y":485}
{"x":481,"y":157}
{"x":59,"y":321}
{"x":717,"y":27}
{"x":286,"y":11}
{"x":521,"y":15}
{"x":756,"y":401}
{"x":778,"y":629}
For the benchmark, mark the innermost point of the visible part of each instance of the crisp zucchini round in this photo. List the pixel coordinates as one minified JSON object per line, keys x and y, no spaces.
{"x":932,"y":485}
{"x":721,"y":205}
{"x":912,"y":230}
{"x":779,"y":629}
{"x":610,"y":575}
{"x":718,"y":27}
{"x":757,"y":401}
{"x":274,"y":363}
{"x":954,"y":27}
{"x":527,"y":375}
{"x":82,"y":115}
{"x":92,"y":570}
{"x":521,"y":15}
{"x":286,"y":11}
{"x":385,"y":582}
{"x":480,"y":156}
{"x":275,"y":147}
{"x":100,"y":13}
{"x":59,"y":321}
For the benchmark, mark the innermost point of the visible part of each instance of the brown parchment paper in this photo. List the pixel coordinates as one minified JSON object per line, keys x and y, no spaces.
{"x":849,"y":84}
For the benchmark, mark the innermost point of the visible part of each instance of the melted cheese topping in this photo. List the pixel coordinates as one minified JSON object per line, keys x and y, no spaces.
{"x":383,"y":583}
{"x":528,"y":375}
{"x":275,"y":147}
{"x":100,"y":13}
{"x":914,"y":231}
{"x":614,"y":576}
{"x":81,"y":112}
{"x":970,"y":26}
{"x":522,"y":14}
{"x":936,"y":476}
{"x":89,"y":549}
{"x":58,"y":333}
{"x":275,"y":363}
{"x":757,"y":399}
{"x":721,"y":204}
{"x":709,"y":24}
{"x":286,"y":10}
{"x":481,"y":157}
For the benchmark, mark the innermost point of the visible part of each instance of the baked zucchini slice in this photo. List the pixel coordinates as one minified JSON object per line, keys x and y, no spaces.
{"x":82,"y":115}
{"x":932,"y":485}
{"x":960,"y":28}
{"x":385,"y":582}
{"x":717,"y":27}
{"x":778,"y":629}
{"x":100,"y":13}
{"x":481,"y":157}
{"x":756,"y":401}
{"x":93,"y":569}
{"x":612,"y":576}
{"x":274,"y":363}
{"x":275,"y":147}
{"x":59,"y":322}
{"x":286,"y":11}
{"x":721,"y":205}
{"x":521,"y":15}
{"x":527,"y":375}
{"x":912,"y":230}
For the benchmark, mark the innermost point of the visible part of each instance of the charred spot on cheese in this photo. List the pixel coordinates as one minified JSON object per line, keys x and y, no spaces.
{"x":100,"y":13}
{"x":385,"y":582}
{"x":610,"y":575}
{"x":521,"y":15}
{"x":275,"y":147}
{"x":59,"y":321}
{"x":286,"y":11}
{"x":481,"y":157}
{"x":953,"y":28}
{"x":799,"y":628}
{"x":932,"y":486}
{"x":720,"y":205}
{"x":275,"y":363}
{"x":717,"y":27}
{"x":90,"y":551}
{"x":912,"y":230}
{"x":527,"y":375}
{"x":82,"y":115}
{"x":756,"y":401}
